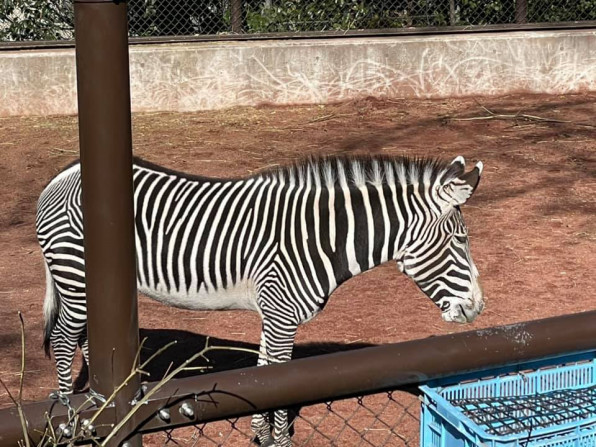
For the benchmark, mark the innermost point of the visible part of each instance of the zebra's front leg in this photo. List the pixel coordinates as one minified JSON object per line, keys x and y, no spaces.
{"x":260,"y":422}
{"x":277,"y":342}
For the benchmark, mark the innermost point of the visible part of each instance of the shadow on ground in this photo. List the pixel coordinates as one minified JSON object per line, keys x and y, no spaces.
{"x":188,"y":343}
{"x":541,"y":135}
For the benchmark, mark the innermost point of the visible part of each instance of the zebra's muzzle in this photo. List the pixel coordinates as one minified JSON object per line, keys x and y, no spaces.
{"x":460,"y":314}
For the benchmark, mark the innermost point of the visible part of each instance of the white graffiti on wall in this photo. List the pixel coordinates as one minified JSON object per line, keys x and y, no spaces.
{"x":216,"y":75}
{"x":425,"y":68}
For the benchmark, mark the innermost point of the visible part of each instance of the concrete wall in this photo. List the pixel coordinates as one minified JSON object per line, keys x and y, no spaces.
{"x":200,"y":76}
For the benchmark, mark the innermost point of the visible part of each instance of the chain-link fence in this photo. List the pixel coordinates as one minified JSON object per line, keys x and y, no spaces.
{"x":383,"y":419}
{"x":53,"y":19}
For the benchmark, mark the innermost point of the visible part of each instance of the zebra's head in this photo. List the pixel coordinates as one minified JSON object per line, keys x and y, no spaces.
{"x":439,"y":259}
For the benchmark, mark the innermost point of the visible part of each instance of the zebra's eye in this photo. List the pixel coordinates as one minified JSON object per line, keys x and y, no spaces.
{"x":460,"y":239}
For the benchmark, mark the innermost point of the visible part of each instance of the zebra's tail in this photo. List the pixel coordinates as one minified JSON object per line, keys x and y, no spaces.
{"x":51,"y":310}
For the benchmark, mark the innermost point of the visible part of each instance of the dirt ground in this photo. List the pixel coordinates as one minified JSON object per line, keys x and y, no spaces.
{"x":532,"y":221}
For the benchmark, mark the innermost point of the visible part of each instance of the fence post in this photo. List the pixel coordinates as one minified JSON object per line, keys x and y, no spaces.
{"x":236,"y":16}
{"x":521,"y":11}
{"x":103,"y":89}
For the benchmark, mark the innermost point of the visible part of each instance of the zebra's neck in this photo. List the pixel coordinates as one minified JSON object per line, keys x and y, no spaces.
{"x":342,"y":230}
{"x":370,"y":226}
{"x":367,"y":208}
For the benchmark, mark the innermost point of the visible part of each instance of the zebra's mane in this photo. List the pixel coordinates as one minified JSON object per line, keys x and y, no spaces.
{"x":343,"y":170}
{"x":362,"y":170}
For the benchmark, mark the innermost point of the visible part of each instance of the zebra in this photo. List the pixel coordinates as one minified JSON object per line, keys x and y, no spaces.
{"x":278,"y":242}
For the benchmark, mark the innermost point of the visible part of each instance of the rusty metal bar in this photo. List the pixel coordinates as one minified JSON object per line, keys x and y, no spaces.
{"x":103,"y":89}
{"x":11,"y":431}
{"x":332,"y":376}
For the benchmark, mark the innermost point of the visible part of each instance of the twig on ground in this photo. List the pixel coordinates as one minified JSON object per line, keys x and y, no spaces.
{"x":331,"y":116}
{"x":519,"y":116}
{"x":58,"y":152}
{"x":321,"y":118}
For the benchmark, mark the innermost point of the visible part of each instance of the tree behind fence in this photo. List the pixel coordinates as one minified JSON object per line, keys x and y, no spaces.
{"x":53,"y":19}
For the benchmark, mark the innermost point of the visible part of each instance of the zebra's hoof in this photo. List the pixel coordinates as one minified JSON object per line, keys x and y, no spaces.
{"x":269,"y":442}
{"x":263,"y":441}
{"x":60,"y":396}
{"x":284,"y":442}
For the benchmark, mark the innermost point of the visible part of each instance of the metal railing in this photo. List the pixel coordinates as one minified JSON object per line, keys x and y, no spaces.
{"x":53,"y":19}
{"x":320,"y":379}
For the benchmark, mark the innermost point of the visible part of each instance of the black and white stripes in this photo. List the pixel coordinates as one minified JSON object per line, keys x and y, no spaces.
{"x":278,"y":243}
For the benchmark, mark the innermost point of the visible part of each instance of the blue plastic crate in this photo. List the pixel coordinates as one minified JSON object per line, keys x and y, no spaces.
{"x":532,"y":405}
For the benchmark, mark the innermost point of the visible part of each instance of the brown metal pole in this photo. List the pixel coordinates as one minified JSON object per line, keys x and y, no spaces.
{"x":103,"y":89}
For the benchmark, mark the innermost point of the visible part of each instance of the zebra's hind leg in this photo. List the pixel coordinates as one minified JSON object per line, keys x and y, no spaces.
{"x":81,"y":380}
{"x":64,"y":339}
{"x":64,"y":348}
{"x":277,"y":343}
{"x":84,"y":344}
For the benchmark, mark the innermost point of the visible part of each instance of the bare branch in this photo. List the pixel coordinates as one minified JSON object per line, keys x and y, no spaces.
{"x":183,"y":367}
{"x":19,"y":399}
{"x":134,"y":372}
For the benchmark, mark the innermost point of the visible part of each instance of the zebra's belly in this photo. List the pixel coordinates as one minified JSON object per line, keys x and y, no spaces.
{"x":238,"y":296}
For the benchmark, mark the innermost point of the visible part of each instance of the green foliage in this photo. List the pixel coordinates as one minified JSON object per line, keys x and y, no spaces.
{"x":481,"y":12}
{"x":177,"y":17}
{"x":324,"y":15}
{"x":36,"y":20}
{"x":561,"y":11}
{"x":53,"y":19}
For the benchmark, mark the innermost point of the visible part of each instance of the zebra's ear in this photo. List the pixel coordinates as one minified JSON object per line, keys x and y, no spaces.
{"x":461,"y":188}
{"x":460,"y":163}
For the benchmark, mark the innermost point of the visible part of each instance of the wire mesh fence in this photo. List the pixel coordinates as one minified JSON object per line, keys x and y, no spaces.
{"x":383,"y":419}
{"x":53,"y":19}
{"x":514,"y":414}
